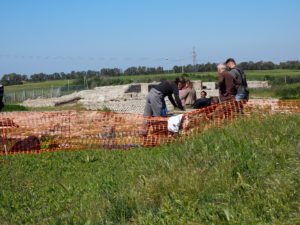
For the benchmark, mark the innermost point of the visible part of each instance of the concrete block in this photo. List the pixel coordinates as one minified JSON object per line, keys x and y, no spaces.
{"x":197,"y":84}
{"x":133,"y":88}
{"x":209,"y":85}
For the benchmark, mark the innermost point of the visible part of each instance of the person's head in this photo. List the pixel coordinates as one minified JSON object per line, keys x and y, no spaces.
{"x":230,"y":63}
{"x":203,"y":94}
{"x":221,"y":68}
{"x":188,"y":84}
{"x":180,"y":82}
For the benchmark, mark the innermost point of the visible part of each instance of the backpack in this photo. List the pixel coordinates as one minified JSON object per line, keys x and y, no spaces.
{"x":241,"y":78}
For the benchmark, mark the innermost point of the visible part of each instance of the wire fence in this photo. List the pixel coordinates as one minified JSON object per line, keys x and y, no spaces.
{"x":37,"y":132}
{"x":34,"y":93}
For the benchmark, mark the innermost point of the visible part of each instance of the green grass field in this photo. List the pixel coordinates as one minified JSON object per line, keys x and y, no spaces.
{"x":279,"y":72}
{"x":246,"y":173}
{"x":45,"y":84}
{"x":284,"y":91}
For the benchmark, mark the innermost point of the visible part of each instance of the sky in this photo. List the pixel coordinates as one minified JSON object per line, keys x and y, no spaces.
{"x":64,"y":35}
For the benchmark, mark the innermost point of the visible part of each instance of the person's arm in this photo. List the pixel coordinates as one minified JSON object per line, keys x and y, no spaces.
{"x":194,"y":94}
{"x":172,"y":100}
{"x":221,"y":80}
{"x":235,"y":73}
{"x":236,"y":83}
{"x":176,"y":95}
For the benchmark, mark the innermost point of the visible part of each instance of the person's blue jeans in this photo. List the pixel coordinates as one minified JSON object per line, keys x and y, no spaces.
{"x":164,"y":109}
{"x":239,"y":97}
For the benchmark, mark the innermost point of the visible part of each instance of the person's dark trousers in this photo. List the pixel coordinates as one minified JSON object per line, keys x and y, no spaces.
{"x":1,"y":104}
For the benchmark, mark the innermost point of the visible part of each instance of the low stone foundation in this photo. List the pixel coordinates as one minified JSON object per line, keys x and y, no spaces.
{"x":128,"y":98}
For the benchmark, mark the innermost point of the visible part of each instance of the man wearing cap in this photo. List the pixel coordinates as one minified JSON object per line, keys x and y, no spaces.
{"x":239,"y":75}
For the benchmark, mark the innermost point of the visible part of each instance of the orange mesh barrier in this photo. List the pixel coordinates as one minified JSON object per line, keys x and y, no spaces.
{"x":36,"y":132}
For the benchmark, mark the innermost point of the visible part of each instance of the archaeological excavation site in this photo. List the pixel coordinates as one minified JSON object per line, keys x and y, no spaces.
{"x":114,"y":119}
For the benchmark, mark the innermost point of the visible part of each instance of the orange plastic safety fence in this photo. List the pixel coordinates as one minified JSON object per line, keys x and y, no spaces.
{"x":36,"y":132}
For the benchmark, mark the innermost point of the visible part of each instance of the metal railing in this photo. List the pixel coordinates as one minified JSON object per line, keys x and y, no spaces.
{"x":34,"y":93}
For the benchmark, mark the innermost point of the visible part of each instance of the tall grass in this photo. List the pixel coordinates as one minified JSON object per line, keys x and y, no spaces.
{"x":292,"y":92}
{"x":285,"y":91}
{"x":246,"y":173}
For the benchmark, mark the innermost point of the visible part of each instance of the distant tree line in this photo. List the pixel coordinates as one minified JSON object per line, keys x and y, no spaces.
{"x":13,"y":78}
{"x":209,"y":67}
{"x":269,"y":65}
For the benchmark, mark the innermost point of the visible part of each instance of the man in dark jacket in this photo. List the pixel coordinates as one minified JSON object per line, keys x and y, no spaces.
{"x":228,"y":85}
{"x":239,"y":75}
{"x":155,"y":98}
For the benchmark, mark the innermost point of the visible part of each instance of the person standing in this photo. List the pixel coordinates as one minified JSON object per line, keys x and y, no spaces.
{"x":228,"y":85}
{"x":155,"y":98}
{"x":239,"y":75}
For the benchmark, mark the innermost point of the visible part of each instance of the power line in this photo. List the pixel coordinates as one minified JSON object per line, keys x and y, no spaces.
{"x":150,"y":59}
{"x":194,"y":54}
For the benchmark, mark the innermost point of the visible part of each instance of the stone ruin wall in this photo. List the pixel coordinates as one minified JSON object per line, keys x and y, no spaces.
{"x":124,"y":98}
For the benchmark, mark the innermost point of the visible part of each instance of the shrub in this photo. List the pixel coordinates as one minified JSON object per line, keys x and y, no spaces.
{"x":12,"y":108}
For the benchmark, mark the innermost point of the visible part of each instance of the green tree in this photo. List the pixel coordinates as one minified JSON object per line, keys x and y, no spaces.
{"x":12,"y":79}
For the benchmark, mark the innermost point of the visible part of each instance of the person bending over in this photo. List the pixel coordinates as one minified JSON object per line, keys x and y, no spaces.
{"x":155,"y":98}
